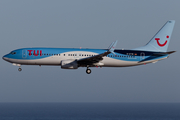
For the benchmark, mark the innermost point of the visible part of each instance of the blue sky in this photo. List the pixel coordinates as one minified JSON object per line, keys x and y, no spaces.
{"x":88,"y":24}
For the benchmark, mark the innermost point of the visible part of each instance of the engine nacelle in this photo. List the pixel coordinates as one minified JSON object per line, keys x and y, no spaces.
{"x":69,"y":64}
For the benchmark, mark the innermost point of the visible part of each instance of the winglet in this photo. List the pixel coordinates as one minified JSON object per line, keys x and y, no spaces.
{"x":112,"y":47}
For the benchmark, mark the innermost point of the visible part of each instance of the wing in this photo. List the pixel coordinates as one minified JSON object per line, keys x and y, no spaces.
{"x":95,"y":59}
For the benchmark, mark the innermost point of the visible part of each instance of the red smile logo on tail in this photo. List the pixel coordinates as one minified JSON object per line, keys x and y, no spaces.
{"x":161,"y":45}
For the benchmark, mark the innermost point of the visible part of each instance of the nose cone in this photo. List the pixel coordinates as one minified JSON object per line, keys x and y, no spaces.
{"x":5,"y":57}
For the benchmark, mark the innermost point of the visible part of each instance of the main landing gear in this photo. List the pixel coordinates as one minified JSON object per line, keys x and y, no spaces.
{"x":88,"y":71}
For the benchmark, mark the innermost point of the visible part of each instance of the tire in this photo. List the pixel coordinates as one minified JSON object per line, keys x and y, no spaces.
{"x":19,"y":69}
{"x":88,"y":71}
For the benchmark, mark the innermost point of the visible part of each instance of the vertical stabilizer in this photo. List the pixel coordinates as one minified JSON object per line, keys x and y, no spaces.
{"x":160,"y":41}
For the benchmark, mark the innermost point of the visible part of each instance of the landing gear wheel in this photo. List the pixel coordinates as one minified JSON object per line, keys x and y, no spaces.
{"x":19,"y":69}
{"x":88,"y":71}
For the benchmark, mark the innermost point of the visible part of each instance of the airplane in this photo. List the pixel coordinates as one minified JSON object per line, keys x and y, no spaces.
{"x":73,"y":58}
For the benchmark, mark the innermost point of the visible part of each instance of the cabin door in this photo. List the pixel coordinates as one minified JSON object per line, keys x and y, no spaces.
{"x":24,"y":54}
{"x":142,"y":56}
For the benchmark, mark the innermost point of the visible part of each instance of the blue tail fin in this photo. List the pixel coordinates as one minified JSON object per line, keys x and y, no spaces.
{"x":160,"y":42}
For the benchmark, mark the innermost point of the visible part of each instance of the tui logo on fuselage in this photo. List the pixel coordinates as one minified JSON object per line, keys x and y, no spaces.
{"x":39,"y":52}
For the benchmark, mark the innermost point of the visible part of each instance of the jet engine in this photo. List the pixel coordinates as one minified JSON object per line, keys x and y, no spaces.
{"x":69,"y":64}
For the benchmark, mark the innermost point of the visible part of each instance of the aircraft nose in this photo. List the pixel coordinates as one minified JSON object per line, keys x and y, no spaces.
{"x":5,"y":57}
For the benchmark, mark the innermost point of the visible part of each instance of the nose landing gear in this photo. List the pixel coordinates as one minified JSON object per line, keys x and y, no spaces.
{"x":19,"y":65}
{"x":19,"y":69}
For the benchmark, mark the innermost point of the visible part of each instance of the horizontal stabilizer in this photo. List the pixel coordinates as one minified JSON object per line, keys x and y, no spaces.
{"x":163,"y":53}
{"x":156,"y":55}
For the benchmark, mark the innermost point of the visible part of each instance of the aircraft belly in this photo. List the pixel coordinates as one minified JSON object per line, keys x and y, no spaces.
{"x":43,"y":61}
{"x":110,"y":62}
{"x":56,"y":60}
{"x":18,"y":61}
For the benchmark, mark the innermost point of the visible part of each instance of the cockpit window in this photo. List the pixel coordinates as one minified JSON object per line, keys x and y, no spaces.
{"x":13,"y":53}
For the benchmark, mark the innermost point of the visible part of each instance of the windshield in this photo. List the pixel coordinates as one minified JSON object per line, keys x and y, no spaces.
{"x":13,"y":53}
